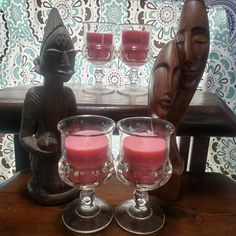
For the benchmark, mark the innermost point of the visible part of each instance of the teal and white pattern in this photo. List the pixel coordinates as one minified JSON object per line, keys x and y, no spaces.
{"x":21,"y":30}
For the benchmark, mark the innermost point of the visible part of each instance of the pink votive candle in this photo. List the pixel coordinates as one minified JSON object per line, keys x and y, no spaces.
{"x":135,"y":37}
{"x":99,"y":46}
{"x":87,"y":154}
{"x":144,"y":155}
{"x":135,"y":46}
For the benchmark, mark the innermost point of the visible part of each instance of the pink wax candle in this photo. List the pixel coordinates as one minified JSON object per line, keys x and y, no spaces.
{"x":135,"y":37}
{"x":143,"y":155}
{"x":87,"y":154}
{"x":99,"y":47}
{"x":135,"y":46}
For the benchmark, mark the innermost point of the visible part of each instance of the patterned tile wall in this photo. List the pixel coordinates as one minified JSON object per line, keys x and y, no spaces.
{"x":21,"y":31}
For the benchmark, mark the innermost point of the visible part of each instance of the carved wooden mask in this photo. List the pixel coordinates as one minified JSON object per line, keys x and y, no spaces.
{"x":165,"y":80}
{"x":178,"y":70}
{"x":185,"y":63}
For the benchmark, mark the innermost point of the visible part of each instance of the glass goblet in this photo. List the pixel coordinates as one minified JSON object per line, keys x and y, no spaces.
{"x":98,"y":49}
{"x":85,"y":163}
{"x":144,"y":164}
{"x":134,"y":51}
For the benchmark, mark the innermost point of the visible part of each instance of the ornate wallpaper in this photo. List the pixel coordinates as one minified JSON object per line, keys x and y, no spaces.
{"x":21,"y":31}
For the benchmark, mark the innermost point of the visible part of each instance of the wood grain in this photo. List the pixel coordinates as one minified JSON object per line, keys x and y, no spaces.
{"x":207,"y":114}
{"x":206,"y":207}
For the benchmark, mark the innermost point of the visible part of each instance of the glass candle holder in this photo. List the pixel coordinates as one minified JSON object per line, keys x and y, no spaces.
{"x":143,"y":164}
{"x":98,"y":49}
{"x":134,"y":51}
{"x":85,"y":163}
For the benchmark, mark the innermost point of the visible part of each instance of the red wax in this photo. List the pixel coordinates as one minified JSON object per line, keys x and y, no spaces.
{"x":87,"y":154}
{"x":135,"y":46}
{"x":99,"y":47}
{"x":143,"y":155}
{"x":135,"y":37}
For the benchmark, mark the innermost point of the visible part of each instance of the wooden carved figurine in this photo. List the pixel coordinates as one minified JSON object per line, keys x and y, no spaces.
{"x":178,"y":70}
{"x":43,"y":107}
{"x":163,"y":90}
{"x":193,"y":42}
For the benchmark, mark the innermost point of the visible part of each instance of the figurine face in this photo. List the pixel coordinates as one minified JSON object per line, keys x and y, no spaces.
{"x":58,"y":56}
{"x":193,"y":42}
{"x":165,"y":80}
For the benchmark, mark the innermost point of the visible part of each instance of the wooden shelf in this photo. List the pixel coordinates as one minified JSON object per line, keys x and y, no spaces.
{"x":207,"y":114}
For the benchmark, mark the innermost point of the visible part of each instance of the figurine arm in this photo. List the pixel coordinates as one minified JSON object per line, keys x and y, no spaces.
{"x":46,"y":144}
{"x":71,"y":102}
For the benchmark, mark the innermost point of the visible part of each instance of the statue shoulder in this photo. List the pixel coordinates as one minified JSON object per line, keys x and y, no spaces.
{"x":68,"y":92}
{"x":34,"y":95}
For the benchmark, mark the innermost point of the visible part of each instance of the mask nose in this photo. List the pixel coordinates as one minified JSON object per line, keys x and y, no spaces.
{"x":173,"y":80}
{"x":169,"y":81}
{"x":188,"y":49}
{"x":64,"y":59}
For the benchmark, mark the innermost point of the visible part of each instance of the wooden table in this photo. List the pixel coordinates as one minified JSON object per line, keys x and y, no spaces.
{"x":207,"y":115}
{"x":207,"y":207}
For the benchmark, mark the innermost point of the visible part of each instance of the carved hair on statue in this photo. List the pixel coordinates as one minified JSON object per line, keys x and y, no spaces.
{"x":54,"y":32}
{"x":54,"y":22}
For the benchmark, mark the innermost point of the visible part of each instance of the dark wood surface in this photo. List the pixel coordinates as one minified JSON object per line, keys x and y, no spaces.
{"x":207,"y":115}
{"x":206,"y":207}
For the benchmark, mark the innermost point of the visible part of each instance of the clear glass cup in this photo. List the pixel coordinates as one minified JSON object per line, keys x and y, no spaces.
{"x":144,"y":164}
{"x":98,"y":49}
{"x":134,"y":51}
{"x":86,"y":162}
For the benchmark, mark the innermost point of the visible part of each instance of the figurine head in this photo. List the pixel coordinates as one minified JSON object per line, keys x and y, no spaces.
{"x":193,"y":42}
{"x":165,"y":79}
{"x":57,"y":54}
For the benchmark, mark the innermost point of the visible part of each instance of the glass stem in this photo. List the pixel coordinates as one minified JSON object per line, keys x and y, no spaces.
{"x":98,"y":75}
{"x":141,"y":209}
{"x":133,"y":77}
{"x":86,"y":207}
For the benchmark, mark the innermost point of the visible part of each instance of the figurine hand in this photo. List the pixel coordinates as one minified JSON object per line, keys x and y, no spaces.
{"x":48,"y":142}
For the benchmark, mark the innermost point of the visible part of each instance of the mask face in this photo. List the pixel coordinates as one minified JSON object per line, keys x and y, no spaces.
{"x":193,"y":42}
{"x":165,"y":80}
{"x":58,"y":56}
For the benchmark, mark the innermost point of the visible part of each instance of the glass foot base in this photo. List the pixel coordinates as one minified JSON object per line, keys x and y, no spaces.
{"x":133,"y":91}
{"x":139,"y":224}
{"x":87,"y":223}
{"x":93,"y":89}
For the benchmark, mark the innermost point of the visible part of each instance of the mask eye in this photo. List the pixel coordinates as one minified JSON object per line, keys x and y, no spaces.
{"x":200,"y":35}
{"x":200,"y":39}
{"x":180,"y":38}
{"x":52,"y":54}
{"x":71,"y":53}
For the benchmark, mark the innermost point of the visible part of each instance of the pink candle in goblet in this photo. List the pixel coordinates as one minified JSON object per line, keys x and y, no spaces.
{"x":135,"y":46}
{"x":99,"y":46}
{"x":87,"y":154}
{"x":144,"y":155}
